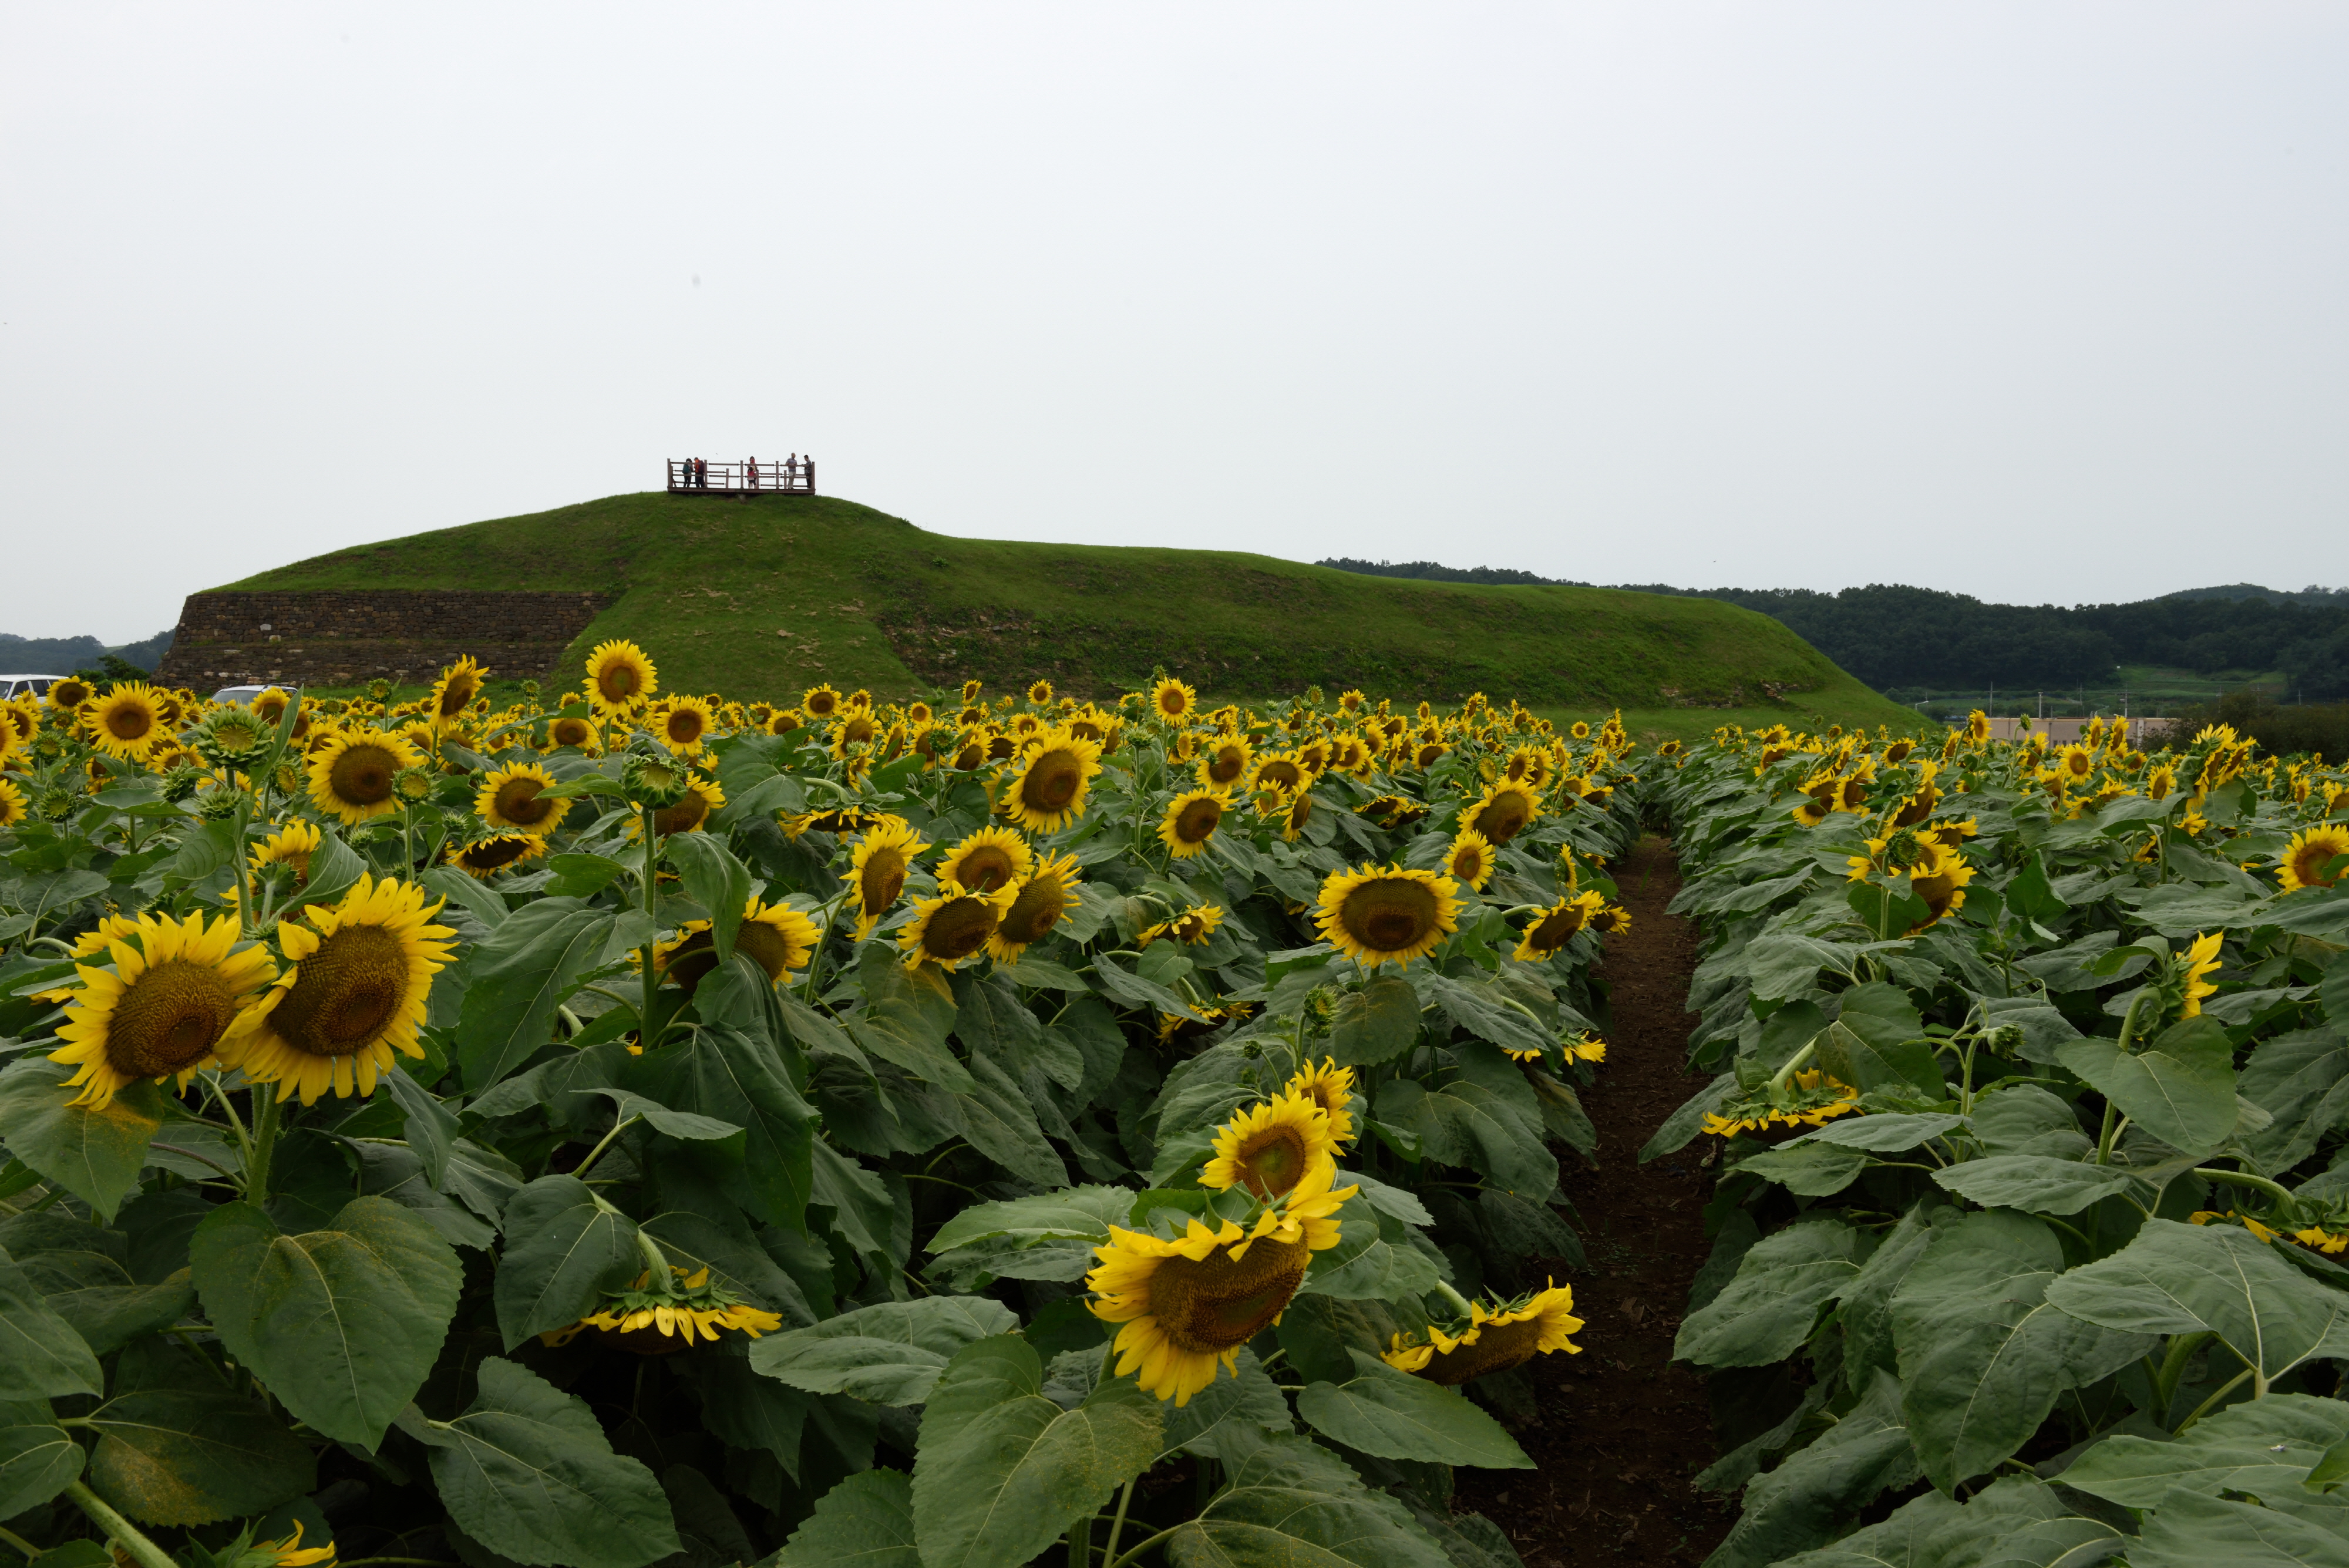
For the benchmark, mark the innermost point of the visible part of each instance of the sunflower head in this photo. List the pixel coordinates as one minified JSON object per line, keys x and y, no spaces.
{"x":877,"y":870}
{"x":1331,"y":1087}
{"x":2190,"y":969}
{"x":66,"y":696}
{"x":1037,"y":903}
{"x":455,"y":690}
{"x":351,"y":773}
{"x":2309,"y":860}
{"x":1503,"y":812}
{"x":955,"y":927}
{"x":1187,"y":1305}
{"x":127,"y":721}
{"x":1496,"y":1340}
{"x":682,"y":723}
{"x":171,"y":994}
{"x":355,"y":996}
{"x":1387,"y":915}
{"x":1470,"y":859}
{"x":1190,"y":821}
{"x":1047,"y":792}
{"x":492,"y":853}
{"x":987,"y":859}
{"x":509,"y":798}
{"x":778,"y":937}
{"x":1172,"y":701}
{"x":620,"y":676}
{"x":566,"y":730}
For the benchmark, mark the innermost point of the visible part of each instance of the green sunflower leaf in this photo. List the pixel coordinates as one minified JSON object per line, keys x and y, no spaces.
{"x":891,"y":1354}
{"x":564,"y":1254}
{"x":38,"y":1457}
{"x":94,"y":1152}
{"x":342,"y":1324}
{"x":1289,"y":1502}
{"x":865,"y":1522}
{"x":188,"y":1456}
{"x":1391,"y":1415}
{"x":40,"y":1354}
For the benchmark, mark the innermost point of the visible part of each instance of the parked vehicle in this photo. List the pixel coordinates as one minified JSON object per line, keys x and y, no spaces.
{"x":26,"y":685}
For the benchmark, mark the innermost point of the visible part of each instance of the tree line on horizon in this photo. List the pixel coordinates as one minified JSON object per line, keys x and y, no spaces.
{"x":1891,"y":635}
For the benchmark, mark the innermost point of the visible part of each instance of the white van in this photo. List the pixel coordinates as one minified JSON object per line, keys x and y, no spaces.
{"x":26,"y":685}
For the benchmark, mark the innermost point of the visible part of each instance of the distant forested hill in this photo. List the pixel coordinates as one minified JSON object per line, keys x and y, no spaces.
{"x":63,"y":655}
{"x":1890,"y":635}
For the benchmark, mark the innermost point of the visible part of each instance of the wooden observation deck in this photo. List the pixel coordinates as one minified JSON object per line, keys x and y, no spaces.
{"x":793,"y":476}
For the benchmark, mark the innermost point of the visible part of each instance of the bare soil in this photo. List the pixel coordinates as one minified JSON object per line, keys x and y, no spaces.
{"x":1622,"y":1429}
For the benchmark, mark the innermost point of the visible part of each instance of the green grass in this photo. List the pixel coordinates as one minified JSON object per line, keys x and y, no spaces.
{"x":759,"y":599}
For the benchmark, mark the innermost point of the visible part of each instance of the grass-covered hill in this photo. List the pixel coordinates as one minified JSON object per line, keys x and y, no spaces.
{"x":761,"y":598}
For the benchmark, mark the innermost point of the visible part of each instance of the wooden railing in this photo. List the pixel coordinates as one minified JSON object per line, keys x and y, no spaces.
{"x":794,"y":475}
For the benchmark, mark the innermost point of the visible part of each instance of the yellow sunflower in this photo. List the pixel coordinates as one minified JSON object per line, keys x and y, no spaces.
{"x":620,"y":676}
{"x":1281,"y":769}
{"x":487,"y":856}
{"x":290,"y":847}
{"x":1172,"y":701}
{"x":1048,"y":793}
{"x":1041,"y":900}
{"x":1555,"y":927}
{"x":2307,"y":856}
{"x":455,"y":690}
{"x":1190,"y":1304}
{"x":352,"y":771}
{"x":355,"y":996}
{"x":12,"y":805}
{"x":877,"y":870}
{"x":509,"y":798}
{"x":820,"y":702}
{"x":856,"y":728}
{"x":127,"y":721}
{"x":1039,"y":693}
{"x":989,"y":859}
{"x":682,"y":723}
{"x":174,"y":990}
{"x":702,"y":797}
{"x":1940,"y":880}
{"x":776,"y":936}
{"x":954,"y":927}
{"x":1225,"y":764}
{"x":1331,"y":1087}
{"x":577,"y":734}
{"x":1194,"y":925}
{"x":1496,"y":1340}
{"x":1377,"y":915}
{"x":2201,"y":958}
{"x":1470,"y":859}
{"x":1271,"y":1147}
{"x":1505,"y":812}
{"x":66,"y":696}
{"x":1190,"y":821}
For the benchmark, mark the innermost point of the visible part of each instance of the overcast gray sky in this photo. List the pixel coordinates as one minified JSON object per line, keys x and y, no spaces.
{"x":2034,"y":301}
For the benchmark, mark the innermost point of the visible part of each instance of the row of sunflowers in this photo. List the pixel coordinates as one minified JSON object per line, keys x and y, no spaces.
{"x":622,"y":1127}
{"x":2031,"y":1124}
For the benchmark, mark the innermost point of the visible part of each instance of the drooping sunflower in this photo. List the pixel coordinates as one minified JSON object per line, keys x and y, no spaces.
{"x":954,"y":927}
{"x":1048,"y":793}
{"x":1555,"y":927}
{"x":1189,"y":1303}
{"x":128,"y":720}
{"x":1612,"y":920}
{"x":455,"y":690}
{"x":492,"y":853}
{"x":1190,"y":821}
{"x":2307,"y":856}
{"x":1496,"y":1340}
{"x":290,"y":847}
{"x":989,"y":859}
{"x":683,"y":722}
{"x":620,"y":676}
{"x":646,"y":1319}
{"x":1271,"y":1147}
{"x":580,"y":735}
{"x":351,"y":773}
{"x":1193,"y":927}
{"x":1470,"y":859}
{"x":173,"y":992}
{"x":1505,"y":812}
{"x":778,"y":937}
{"x":2199,"y":960}
{"x":691,"y":814}
{"x":877,"y":870}
{"x":1331,"y":1087}
{"x":1386,"y":915}
{"x":1172,"y":701}
{"x":355,"y":996}
{"x":509,"y":798}
{"x":1041,"y":900}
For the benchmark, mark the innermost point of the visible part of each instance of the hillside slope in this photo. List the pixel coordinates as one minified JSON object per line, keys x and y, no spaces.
{"x":761,"y":598}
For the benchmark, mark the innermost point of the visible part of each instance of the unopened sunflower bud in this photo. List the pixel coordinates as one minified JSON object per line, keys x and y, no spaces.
{"x":652,"y":782}
{"x":179,"y":782}
{"x":217,"y":805}
{"x":413,"y":784}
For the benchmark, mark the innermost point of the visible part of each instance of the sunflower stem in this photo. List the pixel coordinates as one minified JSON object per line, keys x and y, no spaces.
{"x":1117,"y":1524}
{"x":1454,"y":1297}
{"x":264,"y":1143}
{"x":18,"y":1544}
{"x":1141,"y":1547}
{"x":2245,"y":1179}
{"x":579,"y":1171}
{"x":1778,"y":1080}
{"x":645,"y":953}
{"x":124,"y":1533}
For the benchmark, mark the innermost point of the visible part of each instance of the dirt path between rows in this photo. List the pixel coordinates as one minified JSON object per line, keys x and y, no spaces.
{"x":1623,"y":1430}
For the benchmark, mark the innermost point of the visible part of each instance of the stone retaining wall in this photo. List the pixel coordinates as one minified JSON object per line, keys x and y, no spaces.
{"x":350,"y":637}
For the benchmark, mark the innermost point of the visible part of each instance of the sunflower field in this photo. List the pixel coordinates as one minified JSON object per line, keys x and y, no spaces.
{"x":2032,"y":1208}
{"x":640,"y":1127}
